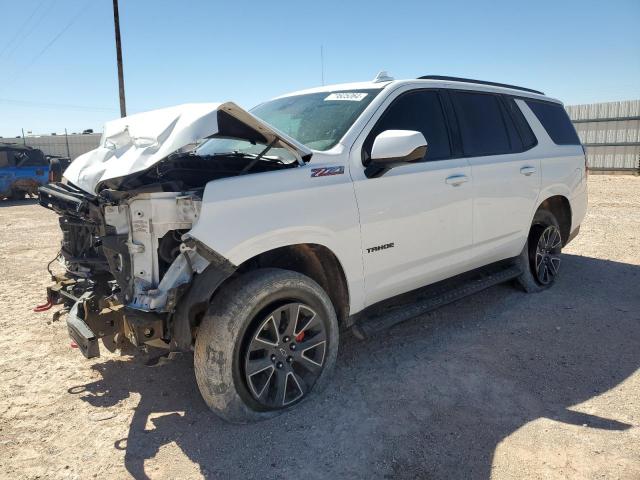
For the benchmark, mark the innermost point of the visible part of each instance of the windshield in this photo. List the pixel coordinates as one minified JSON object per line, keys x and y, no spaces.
{"x":317,"y":120}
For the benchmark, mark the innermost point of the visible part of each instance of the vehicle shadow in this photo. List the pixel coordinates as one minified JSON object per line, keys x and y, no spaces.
{"x":431,"y":398}
{"x":18,"y":203}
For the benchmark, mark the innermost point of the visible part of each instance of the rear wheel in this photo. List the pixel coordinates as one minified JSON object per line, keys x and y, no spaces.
{"x":540,"y":257}
{"x":268,"y":341}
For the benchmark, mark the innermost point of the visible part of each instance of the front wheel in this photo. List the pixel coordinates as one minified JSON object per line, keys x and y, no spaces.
{"x":268,"y":341}
{"x":540,"y":257}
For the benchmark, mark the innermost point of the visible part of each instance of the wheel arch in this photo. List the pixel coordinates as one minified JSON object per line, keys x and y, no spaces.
{"x":560,"y":207}
{"x":316,"y":261}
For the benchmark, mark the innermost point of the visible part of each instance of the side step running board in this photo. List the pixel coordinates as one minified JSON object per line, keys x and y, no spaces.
{"x":376,"y":320}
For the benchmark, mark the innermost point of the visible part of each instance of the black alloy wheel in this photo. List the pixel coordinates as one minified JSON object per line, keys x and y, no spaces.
{"x":284,"y":355}
{"x":546,"y":257}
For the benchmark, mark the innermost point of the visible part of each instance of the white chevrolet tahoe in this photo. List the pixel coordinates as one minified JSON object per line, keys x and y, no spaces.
{"x":254,"y":238}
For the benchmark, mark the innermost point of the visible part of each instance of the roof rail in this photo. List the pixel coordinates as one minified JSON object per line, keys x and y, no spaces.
{"x":481,"y":82}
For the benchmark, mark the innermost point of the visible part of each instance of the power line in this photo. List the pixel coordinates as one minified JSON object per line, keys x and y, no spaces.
{"x":27,"y":103}
{"x":22,"y":27}
{"x":54,"y":39}
{"x":29,"y":32}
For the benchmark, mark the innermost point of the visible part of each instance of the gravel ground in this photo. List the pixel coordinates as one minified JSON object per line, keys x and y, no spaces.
{"x":502,"y":384}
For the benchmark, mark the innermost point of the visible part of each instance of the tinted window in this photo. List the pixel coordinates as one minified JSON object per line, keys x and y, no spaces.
{"x":529,"y":140}
{"x":30,"y":159}
{"x":514,"y":136}
{"x":420,"y":111}
{"x":555,"y":121}
{"x":4,"y":160}
{"x":482,"y":126}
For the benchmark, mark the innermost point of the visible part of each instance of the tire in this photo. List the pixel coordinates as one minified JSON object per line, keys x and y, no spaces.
{"x":16,"y":195}
{"x":246,"y":329}
{"x":543,"y":247}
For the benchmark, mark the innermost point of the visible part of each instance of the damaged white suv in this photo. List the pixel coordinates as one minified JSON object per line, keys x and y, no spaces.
{"x":253,"y":238}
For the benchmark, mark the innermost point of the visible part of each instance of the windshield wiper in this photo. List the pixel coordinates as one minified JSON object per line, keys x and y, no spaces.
{"x":257,"y":158}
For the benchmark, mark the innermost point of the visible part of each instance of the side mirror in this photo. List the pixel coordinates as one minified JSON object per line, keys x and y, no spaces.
{"x":392,"y":148}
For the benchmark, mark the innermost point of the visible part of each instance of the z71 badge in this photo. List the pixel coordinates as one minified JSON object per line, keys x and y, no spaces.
{"x":326,"y":171}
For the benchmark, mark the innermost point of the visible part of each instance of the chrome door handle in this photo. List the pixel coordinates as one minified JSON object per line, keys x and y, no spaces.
{"x":527,"y":171}
{"x":456,"y":180}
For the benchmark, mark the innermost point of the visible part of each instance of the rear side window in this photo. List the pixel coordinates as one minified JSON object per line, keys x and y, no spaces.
{"x":30,"y":159}
{"x":421,"y":111}
{"x":529,"y":140}
{"x":482,"y":126}
{"x":555,"y":121}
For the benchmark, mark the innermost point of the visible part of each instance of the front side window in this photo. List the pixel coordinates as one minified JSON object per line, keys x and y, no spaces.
{"x":555,"y":121}
{"x":419,"y":111}
{"x":482,"y":126}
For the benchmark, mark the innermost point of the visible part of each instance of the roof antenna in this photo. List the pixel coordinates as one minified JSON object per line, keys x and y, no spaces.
{"x":322,"y":64}
{"x":382,"y":76}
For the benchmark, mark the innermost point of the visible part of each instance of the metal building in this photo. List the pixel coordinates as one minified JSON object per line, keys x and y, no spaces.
{"x":611,"y":133}
{"x":71,"y":146}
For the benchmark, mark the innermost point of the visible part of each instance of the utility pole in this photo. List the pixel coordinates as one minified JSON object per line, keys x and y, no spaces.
{"x":116,"y":21}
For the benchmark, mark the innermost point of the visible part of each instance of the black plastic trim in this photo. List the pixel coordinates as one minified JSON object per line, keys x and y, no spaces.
{"x":479,"y":82}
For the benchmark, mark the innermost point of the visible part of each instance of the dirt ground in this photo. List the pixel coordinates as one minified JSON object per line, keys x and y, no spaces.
{"x":500,"y":385}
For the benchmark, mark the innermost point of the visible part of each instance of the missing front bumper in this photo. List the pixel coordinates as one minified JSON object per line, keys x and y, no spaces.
{"x":92,"y":316}
{"x":82,"y":335}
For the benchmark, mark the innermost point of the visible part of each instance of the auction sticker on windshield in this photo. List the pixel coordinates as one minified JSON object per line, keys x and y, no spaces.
{"x":348,"y":96}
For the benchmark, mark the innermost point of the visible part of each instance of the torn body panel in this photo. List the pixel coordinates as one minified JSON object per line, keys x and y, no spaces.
{"x":136,"y":143}
{"x":133,"y":265}
{"x":145,"y":227}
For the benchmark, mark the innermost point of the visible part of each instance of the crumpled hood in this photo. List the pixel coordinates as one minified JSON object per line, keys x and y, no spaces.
{"x":134,"y":143}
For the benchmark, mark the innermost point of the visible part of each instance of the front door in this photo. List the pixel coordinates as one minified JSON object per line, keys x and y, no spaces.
{"x":416,"y":219}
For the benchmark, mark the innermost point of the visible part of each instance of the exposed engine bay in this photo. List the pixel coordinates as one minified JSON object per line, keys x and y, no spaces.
{"x":126,"y":209}
{"x":190,"y":171}
{"x":126,"y":251}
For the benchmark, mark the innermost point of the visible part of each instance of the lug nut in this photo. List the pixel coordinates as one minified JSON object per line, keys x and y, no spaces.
{"x":279,"y":365}
{"x":286,"y":339}
{"x":292,"y":346}
{"x":289,"y":359}
{"x":273,"y":358}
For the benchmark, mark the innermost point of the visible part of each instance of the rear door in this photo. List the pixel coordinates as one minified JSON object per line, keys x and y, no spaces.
{"x":415,"y":219}
{"x":506,"y":174}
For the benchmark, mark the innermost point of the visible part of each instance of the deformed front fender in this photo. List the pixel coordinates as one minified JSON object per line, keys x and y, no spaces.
{"x":196,"y":300}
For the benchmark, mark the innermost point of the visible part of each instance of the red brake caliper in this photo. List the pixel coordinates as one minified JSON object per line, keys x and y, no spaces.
{"x":43,"y":308}
{"x":300,"y":337}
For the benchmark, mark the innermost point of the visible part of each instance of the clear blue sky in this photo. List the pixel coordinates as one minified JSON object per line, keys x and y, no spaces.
{"x":57,"y":58}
